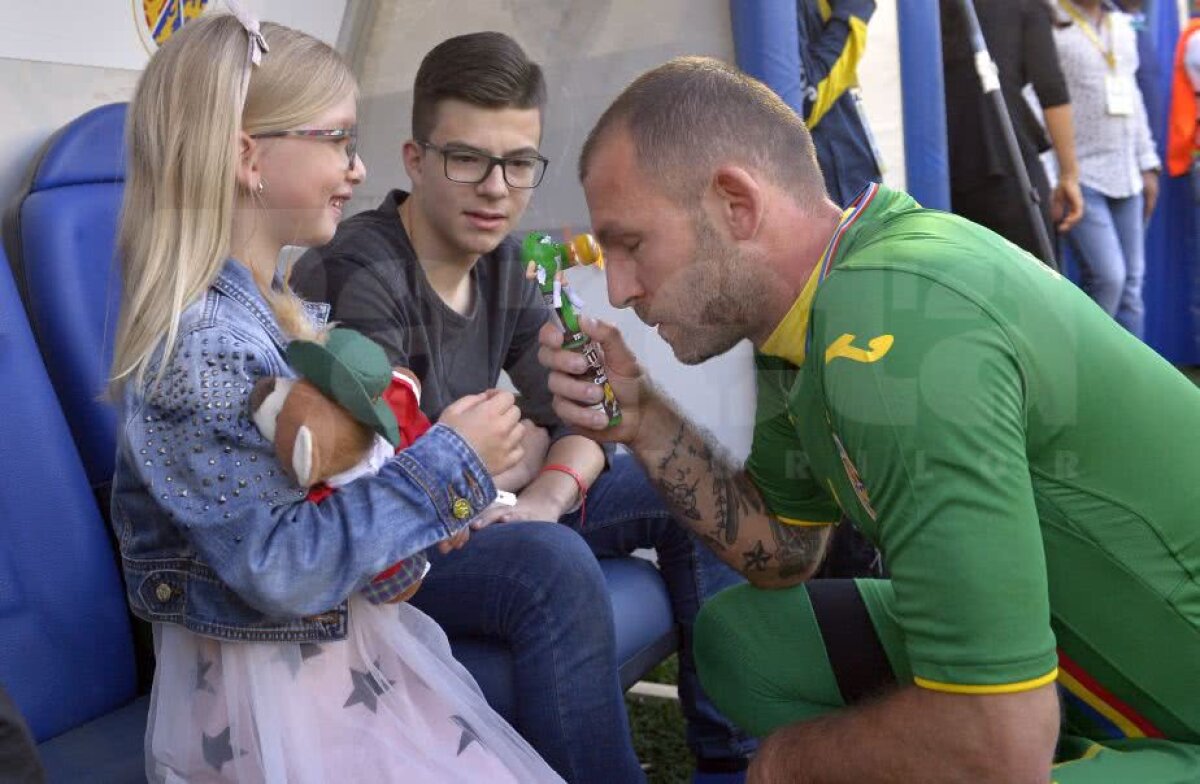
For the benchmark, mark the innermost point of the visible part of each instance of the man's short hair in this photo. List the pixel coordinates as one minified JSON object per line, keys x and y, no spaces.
{"x":488,"y":69}
{"x":693,"y":114}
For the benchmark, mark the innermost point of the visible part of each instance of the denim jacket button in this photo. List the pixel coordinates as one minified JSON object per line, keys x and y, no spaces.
{"x":163,"y":592}
{"x":461,"y":508}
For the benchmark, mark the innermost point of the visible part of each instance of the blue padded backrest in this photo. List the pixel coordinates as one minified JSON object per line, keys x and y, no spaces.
{"x":67,"y":229}
{"x":91,"y":148}
{"x":66,"y":649}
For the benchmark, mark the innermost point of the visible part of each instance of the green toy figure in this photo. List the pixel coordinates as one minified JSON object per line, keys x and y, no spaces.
{"x":545,"y":262}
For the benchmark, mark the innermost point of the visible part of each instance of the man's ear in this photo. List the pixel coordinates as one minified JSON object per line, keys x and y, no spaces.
{"x":739,"y":200}
{"x":249,"y":174}
{"x":414,"y":159}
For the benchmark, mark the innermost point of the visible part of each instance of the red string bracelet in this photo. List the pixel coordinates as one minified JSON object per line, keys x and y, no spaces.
{"x":571,"y":472}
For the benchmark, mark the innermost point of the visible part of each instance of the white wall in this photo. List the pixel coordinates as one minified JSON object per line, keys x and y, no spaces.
{"x":51,"y":71}
{"x":879,"y":76}
{"x":590,"y":49}
{"x":45,"y":96}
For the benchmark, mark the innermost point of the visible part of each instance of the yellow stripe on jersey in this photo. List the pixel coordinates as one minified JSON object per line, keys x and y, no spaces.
{"x":804,"y":523}
{"x":997,"y":688}
{"x":1072,"y":684}
{"x":1092,"y":751}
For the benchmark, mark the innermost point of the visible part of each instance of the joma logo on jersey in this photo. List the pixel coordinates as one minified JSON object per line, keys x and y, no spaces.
{"x":843,"y":347}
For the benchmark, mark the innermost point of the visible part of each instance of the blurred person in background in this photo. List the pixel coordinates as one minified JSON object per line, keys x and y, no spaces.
{"x":1118,"y":165}
{"x":1183,"y":133}
{"x":983,"y":186}
{"x":833,"y":37}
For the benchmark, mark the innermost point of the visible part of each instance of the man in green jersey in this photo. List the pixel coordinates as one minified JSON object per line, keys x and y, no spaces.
{"x":1027,"y":467}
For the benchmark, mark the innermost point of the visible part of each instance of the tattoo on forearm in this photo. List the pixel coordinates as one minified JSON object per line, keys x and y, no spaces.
{"x":723,"y":507}
{"x":798,"y":549}
{"x":734,"y":496}
{"x":756,"y":559}
{"x":682,"y":495}
{"x":676,"y":482}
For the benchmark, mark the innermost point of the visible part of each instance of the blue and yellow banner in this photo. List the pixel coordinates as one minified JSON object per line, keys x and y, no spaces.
{"x":164,"y":17}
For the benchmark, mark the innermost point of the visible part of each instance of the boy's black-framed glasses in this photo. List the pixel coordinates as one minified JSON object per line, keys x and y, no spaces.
{"x":330,"y":134}
{"x":471,"y":167}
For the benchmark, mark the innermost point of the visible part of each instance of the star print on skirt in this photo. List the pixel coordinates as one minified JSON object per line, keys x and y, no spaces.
{"x":387,"y":704}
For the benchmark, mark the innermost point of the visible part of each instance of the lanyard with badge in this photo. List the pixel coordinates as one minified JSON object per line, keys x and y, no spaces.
{"x":1118,"y":89}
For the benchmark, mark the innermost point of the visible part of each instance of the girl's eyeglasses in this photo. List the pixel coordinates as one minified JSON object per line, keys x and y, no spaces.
{"x":334,"y":134}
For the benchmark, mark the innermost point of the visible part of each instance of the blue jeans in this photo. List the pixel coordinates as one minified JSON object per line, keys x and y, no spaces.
{"x":537,"y":587}
{"x":1109,"y":242}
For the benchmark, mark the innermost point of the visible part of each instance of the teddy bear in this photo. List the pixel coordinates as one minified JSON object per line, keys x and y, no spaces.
{"x":346,"y":413}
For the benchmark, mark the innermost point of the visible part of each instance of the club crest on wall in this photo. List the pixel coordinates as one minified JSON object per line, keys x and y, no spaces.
{"x":157,"y":20}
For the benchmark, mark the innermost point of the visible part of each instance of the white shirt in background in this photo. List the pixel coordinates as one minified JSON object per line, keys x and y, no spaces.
{"x":1113,"y":150}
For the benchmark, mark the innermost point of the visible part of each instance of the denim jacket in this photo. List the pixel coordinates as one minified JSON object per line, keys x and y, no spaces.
{"x":215,"y":536}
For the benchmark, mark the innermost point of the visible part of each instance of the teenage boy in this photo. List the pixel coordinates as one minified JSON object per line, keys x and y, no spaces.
{"x":435,"y":278}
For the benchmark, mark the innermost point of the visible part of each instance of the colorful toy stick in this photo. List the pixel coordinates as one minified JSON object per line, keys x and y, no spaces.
{"x":545,"y":262}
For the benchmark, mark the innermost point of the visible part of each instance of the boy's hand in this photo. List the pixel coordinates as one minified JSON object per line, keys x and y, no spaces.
{"x":455,"y":542}
{"x":530,"y":505}
{"x":535,"y":441}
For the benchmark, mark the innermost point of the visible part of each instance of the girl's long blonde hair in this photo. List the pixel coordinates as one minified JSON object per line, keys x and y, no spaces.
{"x":181,"y":177}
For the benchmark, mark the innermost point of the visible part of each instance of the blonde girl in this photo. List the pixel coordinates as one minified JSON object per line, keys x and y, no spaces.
{"x":271,"y":667}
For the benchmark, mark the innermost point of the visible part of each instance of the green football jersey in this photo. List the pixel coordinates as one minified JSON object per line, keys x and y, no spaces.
{"x":1030,"y":470}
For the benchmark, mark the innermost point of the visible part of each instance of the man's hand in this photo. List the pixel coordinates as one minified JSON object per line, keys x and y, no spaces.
{"x":706,"y":489}
{"x":573,"y":395}
{"x":1149,"y":193}
{"x":1066,"y":204}
{"x":535,"y":441}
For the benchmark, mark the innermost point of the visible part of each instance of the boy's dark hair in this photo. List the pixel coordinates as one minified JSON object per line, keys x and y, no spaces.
{"x":486,"y":69}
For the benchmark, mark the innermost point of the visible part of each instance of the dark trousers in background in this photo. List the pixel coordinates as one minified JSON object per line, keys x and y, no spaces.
{"x":999,"y":204}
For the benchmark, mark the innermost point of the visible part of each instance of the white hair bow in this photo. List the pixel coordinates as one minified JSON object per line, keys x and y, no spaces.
{"x":258,"y":45}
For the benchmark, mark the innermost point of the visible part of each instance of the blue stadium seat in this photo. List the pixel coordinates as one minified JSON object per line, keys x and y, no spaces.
{"x":66,"y":226}
{"x":64,"y":266}
{"x":66,"y":649}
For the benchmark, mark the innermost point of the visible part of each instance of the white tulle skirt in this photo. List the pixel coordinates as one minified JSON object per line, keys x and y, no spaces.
{"x":387,"y":704}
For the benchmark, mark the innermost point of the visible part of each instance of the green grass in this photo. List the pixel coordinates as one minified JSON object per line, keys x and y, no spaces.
{"x":658,"y":731}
